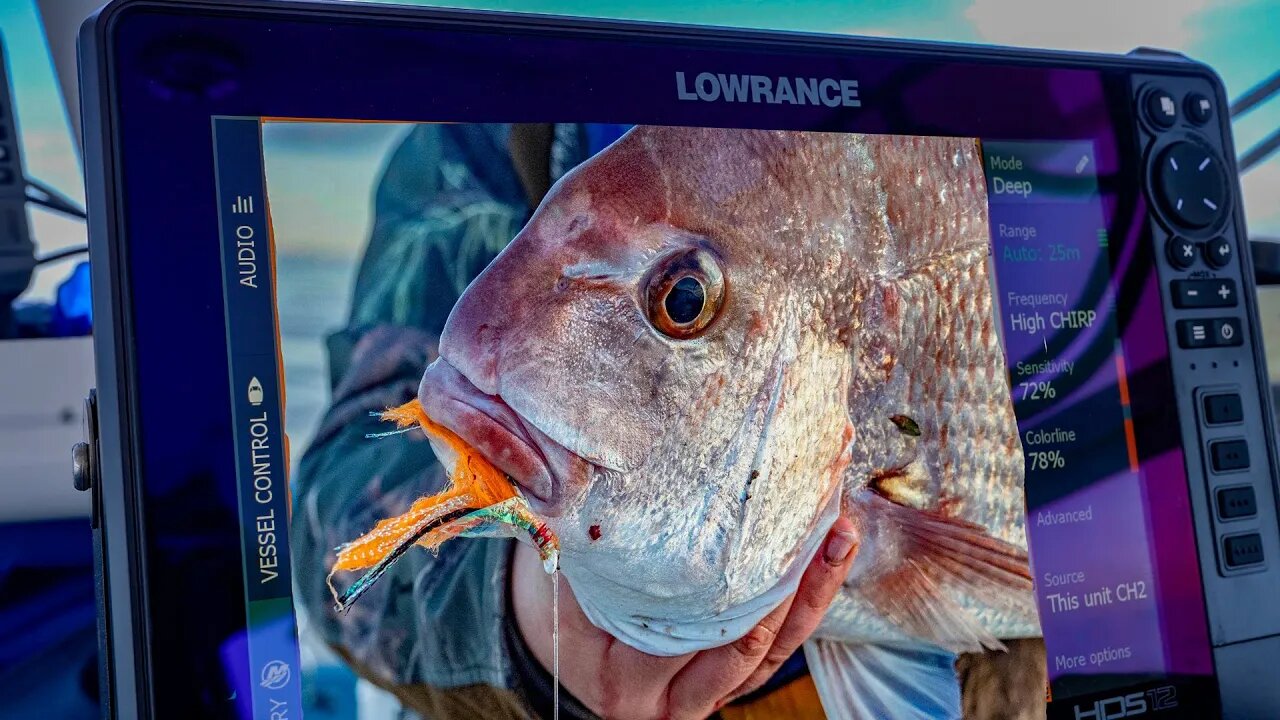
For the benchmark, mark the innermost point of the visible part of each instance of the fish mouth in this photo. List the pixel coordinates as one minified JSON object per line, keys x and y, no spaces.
{"x":496,"y":431}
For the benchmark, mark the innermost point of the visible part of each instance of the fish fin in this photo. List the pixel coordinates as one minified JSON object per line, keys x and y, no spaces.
{"x":908,"y":485}
{"x":858,"y":681}
{"x":941,"y":556}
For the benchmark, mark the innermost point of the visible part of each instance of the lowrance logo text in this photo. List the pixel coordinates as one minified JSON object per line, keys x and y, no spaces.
{"x":721,"y":87}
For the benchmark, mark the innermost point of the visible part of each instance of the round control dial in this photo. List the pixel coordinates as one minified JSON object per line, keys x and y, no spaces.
{"x":1191,"y":184}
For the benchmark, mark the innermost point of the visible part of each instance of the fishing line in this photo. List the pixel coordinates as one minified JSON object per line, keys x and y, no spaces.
{"x":388,"y":433}
{"x":555,"y":642}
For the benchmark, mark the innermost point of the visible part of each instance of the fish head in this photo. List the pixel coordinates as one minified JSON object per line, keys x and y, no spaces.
{"x":661,"y":361}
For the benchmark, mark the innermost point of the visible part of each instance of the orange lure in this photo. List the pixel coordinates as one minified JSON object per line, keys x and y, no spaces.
{"x":479,"y":494}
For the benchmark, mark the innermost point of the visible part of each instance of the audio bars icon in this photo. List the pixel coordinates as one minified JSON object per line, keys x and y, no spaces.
{"x":243,"y":205}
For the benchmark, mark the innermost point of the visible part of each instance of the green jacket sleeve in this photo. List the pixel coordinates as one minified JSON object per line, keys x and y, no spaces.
{"x":433,"y":619}
{"x":447,"y":203}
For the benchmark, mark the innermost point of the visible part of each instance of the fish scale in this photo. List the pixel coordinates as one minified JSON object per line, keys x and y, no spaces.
{"x":957,"y":380}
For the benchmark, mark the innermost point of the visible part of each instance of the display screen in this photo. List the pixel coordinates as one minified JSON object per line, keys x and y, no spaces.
{"x":681,"y":353}
{"x":664,"y":313}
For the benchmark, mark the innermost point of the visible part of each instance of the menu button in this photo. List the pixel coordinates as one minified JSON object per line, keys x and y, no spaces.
{"x":1194,"y":333}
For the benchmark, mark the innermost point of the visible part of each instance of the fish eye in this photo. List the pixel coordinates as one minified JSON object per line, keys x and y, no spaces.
{"x":684,"y":293}
{"x":685,"y":300}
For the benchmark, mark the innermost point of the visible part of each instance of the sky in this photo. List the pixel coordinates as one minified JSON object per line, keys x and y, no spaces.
{"x":1234,"y":36}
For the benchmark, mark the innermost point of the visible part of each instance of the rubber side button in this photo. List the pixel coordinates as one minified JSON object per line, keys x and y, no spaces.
{"x":1242,"y":550}
{"x":1223,"y":409}
{"x":1160,"y":107}
{"x":1237,"y":502}
{"x":1228,"y":455}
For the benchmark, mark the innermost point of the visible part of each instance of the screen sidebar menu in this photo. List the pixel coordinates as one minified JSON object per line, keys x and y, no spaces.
{"x":271,"y":684}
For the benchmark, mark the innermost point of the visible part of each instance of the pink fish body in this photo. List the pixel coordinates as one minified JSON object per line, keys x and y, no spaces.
{"x":708,"y":343}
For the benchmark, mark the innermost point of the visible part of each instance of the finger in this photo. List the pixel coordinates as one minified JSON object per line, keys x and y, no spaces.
{"x":716,"y":676}
{"x":821,"y":582}
{"x":696,"y":691}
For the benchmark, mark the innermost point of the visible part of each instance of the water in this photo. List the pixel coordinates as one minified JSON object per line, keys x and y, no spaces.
{"x":555,"y":643}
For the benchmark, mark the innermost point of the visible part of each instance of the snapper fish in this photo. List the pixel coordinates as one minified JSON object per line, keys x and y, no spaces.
{"x":704,"y":346}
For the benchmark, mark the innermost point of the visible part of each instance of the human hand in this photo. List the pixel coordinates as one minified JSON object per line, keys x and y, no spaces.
{"x":617,"y":681}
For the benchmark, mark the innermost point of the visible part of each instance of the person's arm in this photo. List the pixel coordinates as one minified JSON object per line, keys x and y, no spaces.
{"x":430,"y":629}
{"x":347,"y":482}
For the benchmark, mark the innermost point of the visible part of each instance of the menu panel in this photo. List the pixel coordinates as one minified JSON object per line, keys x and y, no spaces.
{"x":1086,"y":520}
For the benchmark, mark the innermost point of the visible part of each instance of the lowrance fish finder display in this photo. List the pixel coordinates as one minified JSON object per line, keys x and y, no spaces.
{"x":517,"y":383}
{"x":459,"y":364}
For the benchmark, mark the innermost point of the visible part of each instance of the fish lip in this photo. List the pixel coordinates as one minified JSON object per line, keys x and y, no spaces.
{"x":490,"y":426}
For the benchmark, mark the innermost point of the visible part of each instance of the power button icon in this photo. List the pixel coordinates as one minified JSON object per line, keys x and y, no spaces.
{"x":1227,"y":331}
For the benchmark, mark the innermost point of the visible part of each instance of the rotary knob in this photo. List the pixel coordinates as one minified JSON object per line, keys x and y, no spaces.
{"x":1191,"y":184}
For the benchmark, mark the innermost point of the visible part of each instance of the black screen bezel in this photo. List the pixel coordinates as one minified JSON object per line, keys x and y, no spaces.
{"x":118,"y":281}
